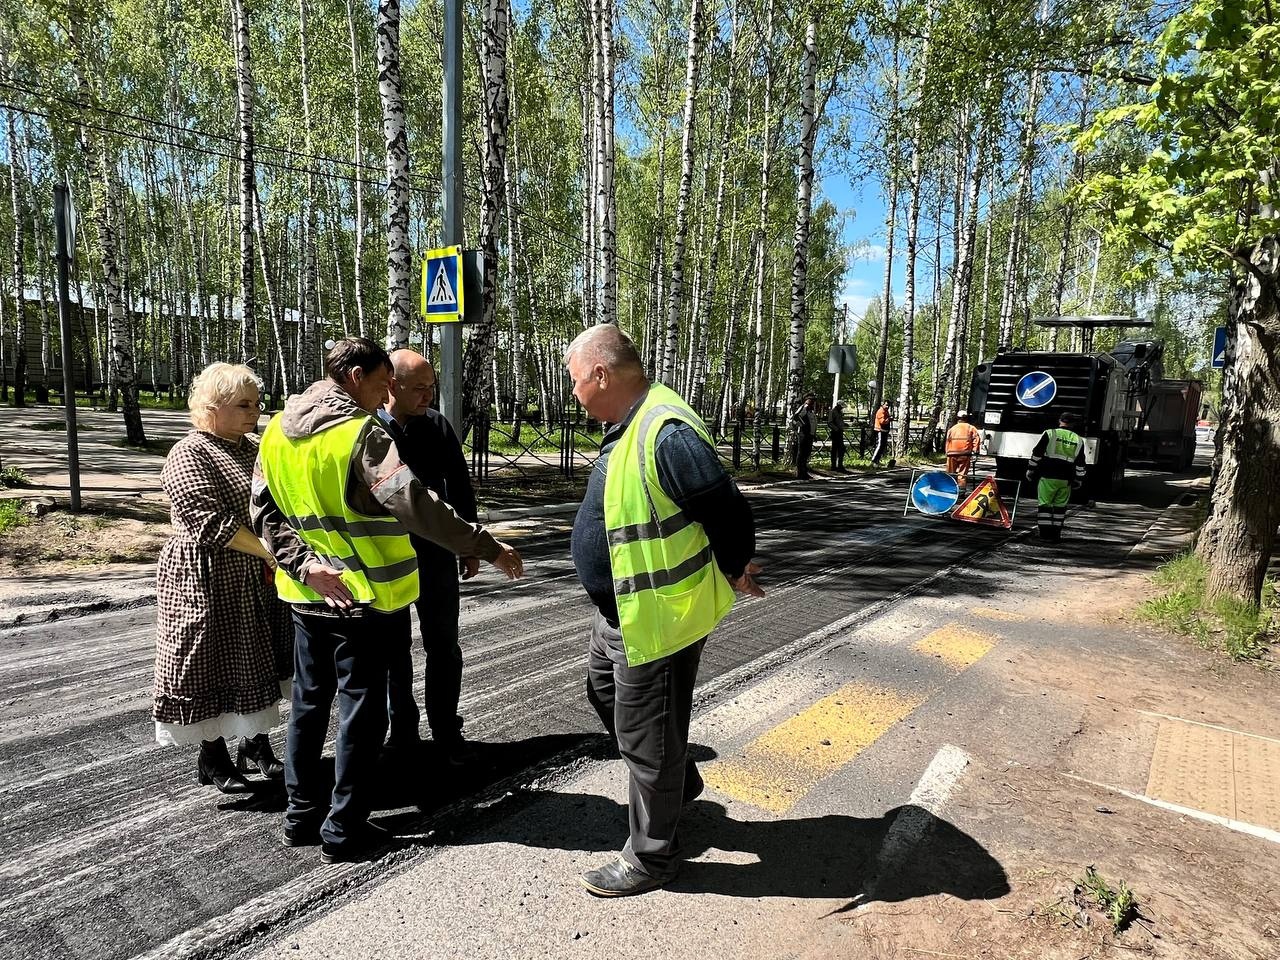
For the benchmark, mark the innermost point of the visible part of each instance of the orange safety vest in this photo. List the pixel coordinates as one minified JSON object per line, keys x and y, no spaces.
{"x":962,"y":439}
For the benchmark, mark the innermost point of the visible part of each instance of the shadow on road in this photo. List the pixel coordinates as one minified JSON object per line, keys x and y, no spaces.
{"x":861,"y":859}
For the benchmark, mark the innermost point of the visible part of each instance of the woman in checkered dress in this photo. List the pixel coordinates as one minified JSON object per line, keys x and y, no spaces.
{"x":224,"y":642}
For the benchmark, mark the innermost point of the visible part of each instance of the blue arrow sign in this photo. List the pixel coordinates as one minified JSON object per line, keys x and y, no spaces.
{"x":1219,"y":348}
{"x":935,"y":492}
{"x":1036,"y":389}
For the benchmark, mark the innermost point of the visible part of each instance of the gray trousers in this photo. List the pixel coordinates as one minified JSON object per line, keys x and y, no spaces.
{"x":646,"y":710}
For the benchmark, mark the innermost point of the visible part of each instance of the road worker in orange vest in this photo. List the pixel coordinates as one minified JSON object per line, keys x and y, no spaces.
{"x":963,"y":441}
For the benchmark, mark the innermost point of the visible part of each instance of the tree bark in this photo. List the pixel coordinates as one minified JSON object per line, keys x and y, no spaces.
{"x":244,"y":123}
{"x":357,"y":179}
{"x":18,"y":209}
{"x":478,"y":364}
{"x":1238,"y":539}
{"x":804,"y":210}
{"x":395,"y":135}
{"x":675,"y":299}
{"x":309,"y":325}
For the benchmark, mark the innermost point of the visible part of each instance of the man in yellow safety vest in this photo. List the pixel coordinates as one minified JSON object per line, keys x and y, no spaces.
{"x":335,"y":504}
{"x":661,"y":541}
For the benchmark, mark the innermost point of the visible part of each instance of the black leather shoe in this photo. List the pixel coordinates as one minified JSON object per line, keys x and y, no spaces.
{"x":214,"y":767}
{"x":300,"y":834}
{"x":618,"y":879}
{"x":693,"y":783}
{"x":256,"y":754}
{"x":361,"y":845}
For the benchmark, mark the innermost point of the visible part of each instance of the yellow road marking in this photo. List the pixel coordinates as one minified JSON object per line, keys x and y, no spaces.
{"x":955,"y":644}
{"x":994,"y":613}
{"x":783,"y":764}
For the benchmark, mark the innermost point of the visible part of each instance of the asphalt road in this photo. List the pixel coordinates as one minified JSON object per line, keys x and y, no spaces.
{"x":109,"y":848}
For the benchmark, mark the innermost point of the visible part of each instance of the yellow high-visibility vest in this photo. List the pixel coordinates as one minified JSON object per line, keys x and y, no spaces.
{"x":670,"y":591}
{"x":307,"y":478}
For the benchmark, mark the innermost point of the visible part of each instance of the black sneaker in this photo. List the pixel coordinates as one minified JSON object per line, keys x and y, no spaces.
{"x":361,"y":845}
{"x":618,"y":878}
{"x":300,"y":834}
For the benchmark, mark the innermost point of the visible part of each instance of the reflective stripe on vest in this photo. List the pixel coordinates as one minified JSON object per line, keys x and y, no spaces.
{"x":669,"y":589}
{"x":307,"y":478}
{"x":1062,"y":445}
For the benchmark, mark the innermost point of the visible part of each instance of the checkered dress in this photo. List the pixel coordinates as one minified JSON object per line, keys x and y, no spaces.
{"x":224,"y":642}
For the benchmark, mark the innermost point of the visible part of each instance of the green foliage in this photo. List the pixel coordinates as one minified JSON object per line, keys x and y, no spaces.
{"x":1118,"y":903}
{"x":1209,"y":120}
{"x":1241,"y":631}
{"x":14,"y":477}
{"x":11,"y":515}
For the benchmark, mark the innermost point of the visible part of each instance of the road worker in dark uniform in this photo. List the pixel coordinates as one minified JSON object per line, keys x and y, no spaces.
{"x":335,"y":505}
{"x":660,"y":543}
{"x":428,"y":444}
{"x":1057,"y":467}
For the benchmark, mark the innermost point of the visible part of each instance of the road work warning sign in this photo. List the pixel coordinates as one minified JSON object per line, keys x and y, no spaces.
{"x":984,"y":506}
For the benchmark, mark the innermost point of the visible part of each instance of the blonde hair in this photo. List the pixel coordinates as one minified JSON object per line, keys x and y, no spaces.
{"x":216,"y":386}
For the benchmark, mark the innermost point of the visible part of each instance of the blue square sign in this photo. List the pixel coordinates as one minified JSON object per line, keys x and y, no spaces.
{"x":442,"y":285}
{"x":1219,"y":359}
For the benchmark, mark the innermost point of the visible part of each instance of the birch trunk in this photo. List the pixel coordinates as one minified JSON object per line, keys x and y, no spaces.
{"x":357,"y":160}
{"x":477,"y":367}
{"x":287,"y":381}
{"x":395,"y":136}
{"x":606,"y":199}
{"x":804,"y":209}
{"x":762,"y":226}
{"x":244,"y":125}
{"x":675,"y":300}
{"x":18,"y":209}
{"x":309,"y":325}
{"x":903,"y":438}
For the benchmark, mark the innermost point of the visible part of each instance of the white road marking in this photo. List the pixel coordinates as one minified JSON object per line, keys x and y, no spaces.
{"x":914,"y":818}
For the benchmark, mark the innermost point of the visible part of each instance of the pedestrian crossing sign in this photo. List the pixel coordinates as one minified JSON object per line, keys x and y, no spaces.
{"x":984,"y":506}
{"x":442,"y":286}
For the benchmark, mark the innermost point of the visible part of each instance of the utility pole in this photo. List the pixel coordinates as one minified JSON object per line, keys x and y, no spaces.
{"x":451,"y":333}
{"x":66,"y":242}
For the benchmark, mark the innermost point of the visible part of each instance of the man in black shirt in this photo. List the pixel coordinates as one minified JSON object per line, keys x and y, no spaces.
{"x":427,"y":443}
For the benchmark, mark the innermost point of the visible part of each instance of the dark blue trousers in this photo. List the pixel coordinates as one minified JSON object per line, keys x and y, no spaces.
{"x":344,"y":657}
{"x":438,"y":610}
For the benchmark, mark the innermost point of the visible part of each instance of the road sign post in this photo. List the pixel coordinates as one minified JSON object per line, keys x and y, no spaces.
{"x":450,"y":375}
{"x":64,"y":227}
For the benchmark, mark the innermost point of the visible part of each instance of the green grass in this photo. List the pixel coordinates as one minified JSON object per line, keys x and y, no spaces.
{"x":13,"y":477}
{"x":1117,"y":903}
{"x":1240,"y":630}
{"x":11,"y":515}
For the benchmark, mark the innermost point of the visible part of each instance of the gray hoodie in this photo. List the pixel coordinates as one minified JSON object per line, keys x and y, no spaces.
{"x":378,"y":484}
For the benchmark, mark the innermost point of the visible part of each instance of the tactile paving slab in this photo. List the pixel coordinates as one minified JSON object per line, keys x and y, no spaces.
{"x":1223,"y":772}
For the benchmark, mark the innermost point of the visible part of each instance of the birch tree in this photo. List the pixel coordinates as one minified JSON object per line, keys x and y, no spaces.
{"x":396,"y":138}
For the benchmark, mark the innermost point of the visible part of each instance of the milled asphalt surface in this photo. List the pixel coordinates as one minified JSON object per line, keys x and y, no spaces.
{"x":109,"y":848}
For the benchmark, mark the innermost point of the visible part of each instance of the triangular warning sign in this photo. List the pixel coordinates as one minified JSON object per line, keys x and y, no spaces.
{"x":984,"y":506}
{"x":442,"y":294}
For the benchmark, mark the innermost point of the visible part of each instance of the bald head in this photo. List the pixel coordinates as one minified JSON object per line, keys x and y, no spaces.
{"x":607,"y":373}
{"x":413,"y":385}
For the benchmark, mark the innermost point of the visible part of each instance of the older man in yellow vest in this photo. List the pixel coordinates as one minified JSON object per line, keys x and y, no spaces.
{"x":660,"y":543}
{"x":336,"y":504}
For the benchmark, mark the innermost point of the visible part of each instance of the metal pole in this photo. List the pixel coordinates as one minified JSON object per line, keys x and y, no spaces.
{"x":60,"y":207}
{"x":451,"y":333}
